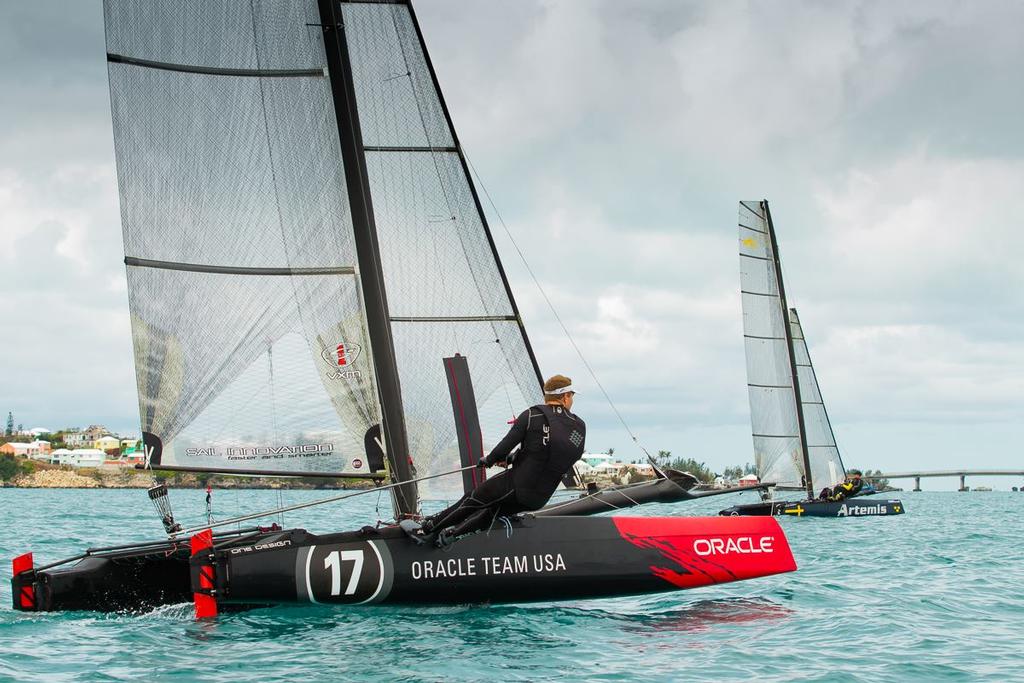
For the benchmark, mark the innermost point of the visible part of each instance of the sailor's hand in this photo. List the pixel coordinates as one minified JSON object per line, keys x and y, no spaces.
{"x":481,"y":464}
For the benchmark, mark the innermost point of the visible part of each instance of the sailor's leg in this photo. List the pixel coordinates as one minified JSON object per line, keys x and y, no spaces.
{"x":440,"y":519}
{"x":483,"y":496}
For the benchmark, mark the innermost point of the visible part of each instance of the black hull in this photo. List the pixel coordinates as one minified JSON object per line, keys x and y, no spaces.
{"x":676,"y":487}
{"x":818,"y":508}
{"x":554,"y":558}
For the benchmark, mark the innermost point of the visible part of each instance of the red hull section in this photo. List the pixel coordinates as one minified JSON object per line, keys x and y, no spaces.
{"x":701,"y":551}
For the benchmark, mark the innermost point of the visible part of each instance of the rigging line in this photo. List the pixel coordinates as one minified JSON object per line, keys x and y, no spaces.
{"x":312,"y":503}
{"x":610,"y":504}
{"x":544,"y":294}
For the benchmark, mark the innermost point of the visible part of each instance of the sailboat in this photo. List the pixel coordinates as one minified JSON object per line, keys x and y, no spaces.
{"x":794,"y":446}
{"x":306,"y":256}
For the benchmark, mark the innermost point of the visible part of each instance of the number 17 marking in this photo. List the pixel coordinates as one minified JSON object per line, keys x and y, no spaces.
{"x":333,"y":562}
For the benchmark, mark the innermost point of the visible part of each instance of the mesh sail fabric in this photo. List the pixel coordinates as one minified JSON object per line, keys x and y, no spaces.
{"x":826,"y":464}
{"x":774,"y":423}
{"x":251,"y":349}
{"x":444,"y":287}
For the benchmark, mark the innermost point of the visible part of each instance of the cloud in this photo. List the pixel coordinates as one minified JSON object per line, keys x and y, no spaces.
{"x":617,"y":138}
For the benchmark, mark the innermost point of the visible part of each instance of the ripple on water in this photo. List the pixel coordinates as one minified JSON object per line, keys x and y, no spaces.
{"x":932,"y":595}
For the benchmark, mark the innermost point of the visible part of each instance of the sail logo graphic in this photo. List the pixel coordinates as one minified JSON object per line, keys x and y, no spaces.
{"x":340,"y":358}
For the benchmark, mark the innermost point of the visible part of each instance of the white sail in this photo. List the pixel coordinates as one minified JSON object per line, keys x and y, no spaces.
{"x":246,"y":255}
{"x":446,"y":292}
{"x":251,"y":349}
{"x":778,"y":453}
{"x":826,"y":463}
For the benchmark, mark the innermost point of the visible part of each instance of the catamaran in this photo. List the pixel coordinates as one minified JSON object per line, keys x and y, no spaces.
{"x":307,"y":263}
{"x":794,"y":446}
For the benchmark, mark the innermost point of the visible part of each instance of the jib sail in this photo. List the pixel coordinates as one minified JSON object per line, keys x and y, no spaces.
{"x":826,"y":463}
{"x":447,"y":291}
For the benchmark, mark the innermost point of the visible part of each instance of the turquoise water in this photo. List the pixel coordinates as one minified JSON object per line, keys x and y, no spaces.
{"x":936,"y":594}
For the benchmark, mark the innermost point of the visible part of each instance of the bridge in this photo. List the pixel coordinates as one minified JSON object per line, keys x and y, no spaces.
{"x":963,"y":474}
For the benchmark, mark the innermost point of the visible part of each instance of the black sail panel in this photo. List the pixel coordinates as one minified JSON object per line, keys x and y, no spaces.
{"x":251,"y":346}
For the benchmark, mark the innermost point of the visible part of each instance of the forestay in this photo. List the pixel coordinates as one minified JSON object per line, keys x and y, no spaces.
{"x":251,"y":349}
{"x":778,"y":453}
{"x":826,"y":464}
{"x":446,"y":290}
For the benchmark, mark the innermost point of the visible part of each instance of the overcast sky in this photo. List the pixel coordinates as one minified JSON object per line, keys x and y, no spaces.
{"x":616,"y":139}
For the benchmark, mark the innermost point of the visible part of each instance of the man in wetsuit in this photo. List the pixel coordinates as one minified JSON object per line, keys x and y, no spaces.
{"x":848,"y":489}
{"x":550,"y":440}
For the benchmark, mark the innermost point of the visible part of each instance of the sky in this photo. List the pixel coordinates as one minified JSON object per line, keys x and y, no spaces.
{"x":616,"y":139}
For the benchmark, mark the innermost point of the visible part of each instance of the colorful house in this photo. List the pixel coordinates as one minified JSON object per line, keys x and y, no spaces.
{"x":37,"y":449}
{"x":75,"y":439}
{"x":81,"y":457}
{"x":106,"y":443}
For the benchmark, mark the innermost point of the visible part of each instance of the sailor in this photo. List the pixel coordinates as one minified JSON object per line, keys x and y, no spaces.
{"x":848,"y":489}
{"x":548,"y":439}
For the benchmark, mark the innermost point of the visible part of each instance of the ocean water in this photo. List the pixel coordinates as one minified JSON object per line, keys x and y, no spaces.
{"x":936,"y":594}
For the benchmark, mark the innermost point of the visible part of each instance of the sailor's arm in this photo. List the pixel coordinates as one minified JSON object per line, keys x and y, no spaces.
{"x":515,"y":436}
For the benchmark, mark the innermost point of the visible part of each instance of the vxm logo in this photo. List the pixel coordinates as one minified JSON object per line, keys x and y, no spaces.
{"x":341,"y":358}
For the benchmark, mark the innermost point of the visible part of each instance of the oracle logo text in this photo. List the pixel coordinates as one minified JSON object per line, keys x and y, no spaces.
{"x":744,"y":545}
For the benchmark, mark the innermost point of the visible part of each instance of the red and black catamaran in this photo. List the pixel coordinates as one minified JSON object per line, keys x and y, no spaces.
{"x":304,"y":246}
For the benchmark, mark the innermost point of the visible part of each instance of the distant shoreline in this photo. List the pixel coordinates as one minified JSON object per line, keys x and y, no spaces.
{"x":37,"y":475}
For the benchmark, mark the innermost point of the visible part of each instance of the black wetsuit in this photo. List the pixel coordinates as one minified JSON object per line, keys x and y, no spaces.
{"x":550,"y":441}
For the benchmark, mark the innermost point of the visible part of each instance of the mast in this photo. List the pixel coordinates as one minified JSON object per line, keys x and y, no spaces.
{"x":808,"y":483}
{"x":476,"y":197}
{"x":371,"y":271}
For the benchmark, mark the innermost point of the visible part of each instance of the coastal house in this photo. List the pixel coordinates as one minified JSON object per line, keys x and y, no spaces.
{"x":106,"y":443}
{"x":595,"y":459}
{"x":80,"y":457}
{"x":93,"y":432}
{"x":75,"y":439}
{"x":748,"y":480}
{"x":33,"y":449}
{"x":583,"y":468}
{"x":129,"y":445}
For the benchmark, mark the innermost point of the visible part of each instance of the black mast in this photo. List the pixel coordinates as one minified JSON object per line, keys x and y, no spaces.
{"x":476,"y":197}
{"x":808,"y":483}
{"x":371,"y":271}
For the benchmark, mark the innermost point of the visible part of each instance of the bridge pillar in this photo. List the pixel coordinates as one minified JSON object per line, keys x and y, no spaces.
{"x":963,"y":485}
{"x":917,"y":483}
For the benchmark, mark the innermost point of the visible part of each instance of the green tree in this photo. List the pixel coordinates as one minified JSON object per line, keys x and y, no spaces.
{"x":733,"y":473}
{"x":10,"y":467}
{"x":10,"y":424}
{"x":697,"y":469}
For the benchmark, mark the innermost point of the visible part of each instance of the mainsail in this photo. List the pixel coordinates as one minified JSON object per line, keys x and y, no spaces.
{"x":793,"y":442}
{"x":302,"y":240}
